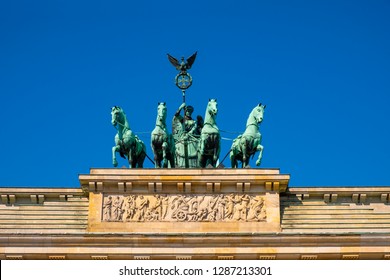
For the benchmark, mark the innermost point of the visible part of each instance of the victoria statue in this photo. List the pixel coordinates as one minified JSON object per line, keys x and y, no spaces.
{"x":186,"y":133}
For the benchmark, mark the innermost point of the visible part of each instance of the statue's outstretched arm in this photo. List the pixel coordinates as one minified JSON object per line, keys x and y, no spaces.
{"x":179,"y":110}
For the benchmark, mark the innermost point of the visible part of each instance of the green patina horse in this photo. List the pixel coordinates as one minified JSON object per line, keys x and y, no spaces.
{"x":248,"y":143}
{"x":210,"y":139}
{"x":126,"y":142}
{"x":161,"y":141}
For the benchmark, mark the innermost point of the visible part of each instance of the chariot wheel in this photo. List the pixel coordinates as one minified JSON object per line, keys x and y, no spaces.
{"x":181,"y":216}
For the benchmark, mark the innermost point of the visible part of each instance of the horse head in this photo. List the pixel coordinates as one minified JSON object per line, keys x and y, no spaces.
{"x":115,"y":115}
{"x":161,"y":112}
{"x":258,"y":113}
{"x":118,"y":116}
{"x":212,"y":107}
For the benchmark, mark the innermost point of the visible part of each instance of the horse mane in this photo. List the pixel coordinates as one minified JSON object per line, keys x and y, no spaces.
{"x":162,"y":122}
{"x":126,"y":122}
{"x":207,"y":109}
{"x":251,"y":115}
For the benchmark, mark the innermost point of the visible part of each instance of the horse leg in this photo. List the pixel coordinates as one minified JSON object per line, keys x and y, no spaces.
{"x":171,"y":156}
{"x":232,"y":163}
{"x":233,"y":160}
{"x":172,"y":160}
{"x":130,"y":159}
{"x":245,"y":159}
{"x":157,"y":163}
{"x":114,"y":150}
{"x":201,"y":156}
{"x":260,"y":149}
{"x":217,"y":149}
{"x":141,"y":152}
{"x":140,"y":160}
{"x":155,"y":151}
{"x":156,"y":158}
{"x":201,"y":160}
{"x":214,"y":158}
{"x":164,"y":154}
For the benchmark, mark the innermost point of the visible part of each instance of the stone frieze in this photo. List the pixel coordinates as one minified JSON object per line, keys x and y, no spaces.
{"x":184,"y":208}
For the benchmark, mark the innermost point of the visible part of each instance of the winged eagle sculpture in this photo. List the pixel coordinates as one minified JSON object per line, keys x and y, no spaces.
{"x":184,"y":65}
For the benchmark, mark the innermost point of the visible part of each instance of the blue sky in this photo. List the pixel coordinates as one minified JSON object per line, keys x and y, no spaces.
{"x":321,"y":67}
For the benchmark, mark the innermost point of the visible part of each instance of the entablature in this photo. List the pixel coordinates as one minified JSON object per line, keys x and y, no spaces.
{"x":184,"y":180}
{"x":341,"y":194}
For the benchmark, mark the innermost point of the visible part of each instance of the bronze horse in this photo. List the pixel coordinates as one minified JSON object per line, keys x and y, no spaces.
{"x":210,"y":139}
{"x":126,"y":142}
{"x":161,"y":141}
{"x":248,"y":143}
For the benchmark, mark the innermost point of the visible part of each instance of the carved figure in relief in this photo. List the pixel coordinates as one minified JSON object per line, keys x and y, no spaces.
{"x":181,"y":206}
{"x":237,"y":208}
{"x":256,"y":210}
{"x":129,"y":207}
{"x":194,"y":204}
{"x":164,"y":206}
{"x":117,"y":209}
{"x":212,"y":211}
{"x":141,"y":207}
{"x":153,"y":213}
{"x":241,"y":207}
{"x":107,"y":205}
{"x":158,"y":206}
{"x":229,"y":206}
{"x":202,"y":214}
{"x":221,"y":208}
{"x":245,"y":203}
{"x":200,"y":209}
{"x":192,"y":208}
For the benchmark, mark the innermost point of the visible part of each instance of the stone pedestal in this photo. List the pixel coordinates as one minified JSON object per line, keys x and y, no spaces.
{"x":184,"y":200}
{"x":213,"y":214}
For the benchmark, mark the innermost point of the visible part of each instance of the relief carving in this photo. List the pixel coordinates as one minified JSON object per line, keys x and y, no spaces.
{"x":107,"y":204}
{"x":184,"y":208}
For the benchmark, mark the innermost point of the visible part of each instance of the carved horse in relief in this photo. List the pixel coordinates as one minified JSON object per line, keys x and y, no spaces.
{"x":248,"y":143}
{"x":210,"y":139}
{"x":161,"y":141}
{"x":126,"y":142}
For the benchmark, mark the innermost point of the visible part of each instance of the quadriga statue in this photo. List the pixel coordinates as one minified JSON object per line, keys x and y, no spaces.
{"x":126,"y":142}
{"x":248,"y":143}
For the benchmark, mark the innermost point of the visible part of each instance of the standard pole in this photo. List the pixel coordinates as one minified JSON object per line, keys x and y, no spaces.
{"x":186,"y":160}
{"x":184,"y":95}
